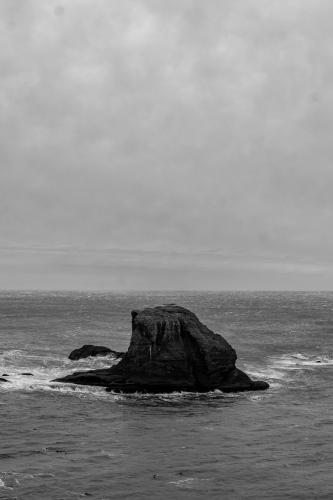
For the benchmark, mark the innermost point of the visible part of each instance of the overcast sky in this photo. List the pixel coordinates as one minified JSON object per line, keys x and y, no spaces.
{"x":166,"y":144}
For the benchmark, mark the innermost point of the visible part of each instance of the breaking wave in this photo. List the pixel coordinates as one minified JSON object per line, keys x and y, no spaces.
{"x":286,"y":368}
{"x":35,"y":372}
{"x":299,"y":360}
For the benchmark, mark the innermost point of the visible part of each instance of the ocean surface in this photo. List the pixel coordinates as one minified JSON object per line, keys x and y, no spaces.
{"x":70,"y":442}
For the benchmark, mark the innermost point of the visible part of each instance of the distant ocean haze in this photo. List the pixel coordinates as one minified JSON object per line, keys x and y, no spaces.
{"x":188,"y":268}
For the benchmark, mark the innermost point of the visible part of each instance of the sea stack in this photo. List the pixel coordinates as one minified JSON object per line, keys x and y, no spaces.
{"x":171,"y":350}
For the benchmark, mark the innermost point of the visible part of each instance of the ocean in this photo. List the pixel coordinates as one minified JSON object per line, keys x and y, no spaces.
{"x":70,"y":442}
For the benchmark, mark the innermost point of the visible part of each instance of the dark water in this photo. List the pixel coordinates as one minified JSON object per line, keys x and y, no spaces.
{"x":72,"y":442}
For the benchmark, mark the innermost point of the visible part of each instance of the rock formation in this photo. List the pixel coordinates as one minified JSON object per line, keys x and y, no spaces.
{"x":92,"y":350}
{"x":171,"y":350}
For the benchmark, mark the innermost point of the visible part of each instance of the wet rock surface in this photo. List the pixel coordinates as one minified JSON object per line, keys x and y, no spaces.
{"x":171,"y":350}
{"x":92,"y":350}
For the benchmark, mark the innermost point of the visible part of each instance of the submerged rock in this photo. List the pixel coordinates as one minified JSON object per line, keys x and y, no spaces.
{"x":171,"y":350}
{"x":3,"y":379}
{"x":92,"y":350}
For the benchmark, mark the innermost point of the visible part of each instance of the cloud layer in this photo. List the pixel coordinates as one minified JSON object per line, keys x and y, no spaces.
{"x":159,"y":144}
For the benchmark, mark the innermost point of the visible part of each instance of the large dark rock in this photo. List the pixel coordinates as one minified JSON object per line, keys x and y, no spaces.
{"x":92,"y":350}
{"x":171,"y":350}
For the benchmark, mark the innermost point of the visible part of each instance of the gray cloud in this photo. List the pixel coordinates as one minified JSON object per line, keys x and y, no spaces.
{"x":168,"y":127}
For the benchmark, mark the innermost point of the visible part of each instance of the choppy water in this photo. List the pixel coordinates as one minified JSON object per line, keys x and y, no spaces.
{"x":70,"y":442}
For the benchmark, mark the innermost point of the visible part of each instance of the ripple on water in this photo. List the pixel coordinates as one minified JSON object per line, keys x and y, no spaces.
{"x":272,"y":444}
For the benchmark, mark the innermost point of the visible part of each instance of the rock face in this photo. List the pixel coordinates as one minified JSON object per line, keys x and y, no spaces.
{"x":92,"y":350}
{"x":171,"y":350}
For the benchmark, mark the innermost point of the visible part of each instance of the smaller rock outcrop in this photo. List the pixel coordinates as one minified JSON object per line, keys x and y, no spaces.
{"x":3,"y":379}
{"x":92,"y":350}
